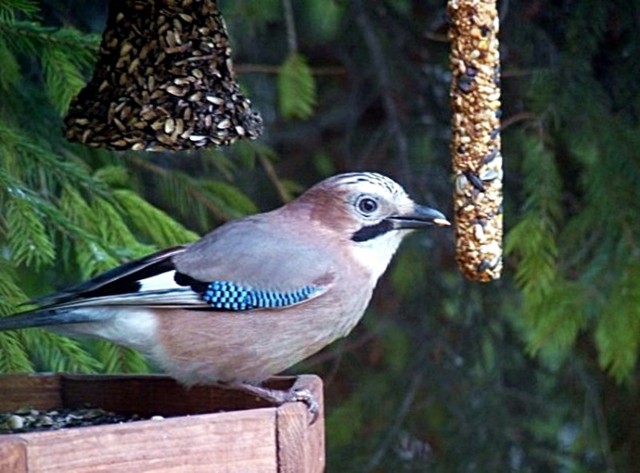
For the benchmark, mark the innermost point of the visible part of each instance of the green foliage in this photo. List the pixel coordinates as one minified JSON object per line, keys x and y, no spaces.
{"x":411,"y":266}
{"x":13,"y":355}
{"x":296,"y":88}
{"x":568,"y":284}
{"x":323,"y":17}
{"x":230,"y":199}
{"x":151,"y":222}
{"x":251,"y":15}
{"x":396,"y":349}
{"x":63,"y":78}
{"x":555,"y":309}
{"x":119,"y":359}
{"x":27,"y":237}
{"x":63,"y":53}
{"x":618,"y":329}
{"x":9,"y":9}
{"x":51,"y":352}
{"x":343,"y":432}
{"x":552,"y":312}
{"x":10,"y":68}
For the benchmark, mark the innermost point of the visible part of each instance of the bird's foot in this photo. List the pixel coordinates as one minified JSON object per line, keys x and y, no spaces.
{"x":279,"y":397}
{"x":306,"y":396}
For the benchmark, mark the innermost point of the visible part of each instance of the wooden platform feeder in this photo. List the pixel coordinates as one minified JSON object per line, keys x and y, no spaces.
{"x":205,"y":429}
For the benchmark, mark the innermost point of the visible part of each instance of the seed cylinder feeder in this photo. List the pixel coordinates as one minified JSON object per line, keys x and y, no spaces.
{"x":475,"y":146}
{"x":164,"y":80}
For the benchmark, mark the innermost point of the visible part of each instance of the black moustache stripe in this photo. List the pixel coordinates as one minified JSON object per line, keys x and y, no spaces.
{"x":372,"y":231}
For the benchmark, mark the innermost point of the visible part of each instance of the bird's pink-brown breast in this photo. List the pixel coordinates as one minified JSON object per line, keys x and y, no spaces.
{"x":208,"y":346}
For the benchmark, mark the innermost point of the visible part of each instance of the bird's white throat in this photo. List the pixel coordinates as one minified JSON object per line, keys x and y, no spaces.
{"x":375,"y":254}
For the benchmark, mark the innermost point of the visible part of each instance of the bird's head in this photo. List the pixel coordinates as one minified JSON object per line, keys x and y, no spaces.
{"x":371,"y":213}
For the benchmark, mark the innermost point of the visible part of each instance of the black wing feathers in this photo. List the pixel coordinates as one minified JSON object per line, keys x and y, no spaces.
{"x":123,"y":279}
{"x":182,"y":279}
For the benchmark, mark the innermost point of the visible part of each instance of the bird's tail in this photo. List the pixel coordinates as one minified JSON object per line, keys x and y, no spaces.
{"x":41,"y":318}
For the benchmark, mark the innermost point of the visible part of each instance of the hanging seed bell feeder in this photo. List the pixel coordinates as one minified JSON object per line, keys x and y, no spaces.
{"x":475,"y":145}
{"x":164,"y":81}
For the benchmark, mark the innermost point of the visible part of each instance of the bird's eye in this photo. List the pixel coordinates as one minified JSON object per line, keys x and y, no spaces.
{"x":367,"y":205}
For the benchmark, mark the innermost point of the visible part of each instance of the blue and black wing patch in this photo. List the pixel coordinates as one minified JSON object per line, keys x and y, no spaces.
{"x":230,"y":296}
{"x":227,"y":295}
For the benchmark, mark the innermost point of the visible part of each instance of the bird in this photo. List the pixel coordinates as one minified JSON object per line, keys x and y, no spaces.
{"x":253,"y":297}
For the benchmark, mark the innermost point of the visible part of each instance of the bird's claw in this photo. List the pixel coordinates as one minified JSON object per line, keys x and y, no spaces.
{"x":306,"y":396}
{"x":279,"y":397}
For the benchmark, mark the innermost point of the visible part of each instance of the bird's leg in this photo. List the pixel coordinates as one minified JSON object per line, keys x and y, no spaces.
{"x":279,"y":397}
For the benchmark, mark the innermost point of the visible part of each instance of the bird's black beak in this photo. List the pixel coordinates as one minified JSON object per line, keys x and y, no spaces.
{"x":419,"y":217}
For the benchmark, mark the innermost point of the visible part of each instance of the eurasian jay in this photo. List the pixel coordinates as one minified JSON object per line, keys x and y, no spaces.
{"x":253,"y":297}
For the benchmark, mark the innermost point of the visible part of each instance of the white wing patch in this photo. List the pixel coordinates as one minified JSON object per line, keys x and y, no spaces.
{"x":159,"y":282}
